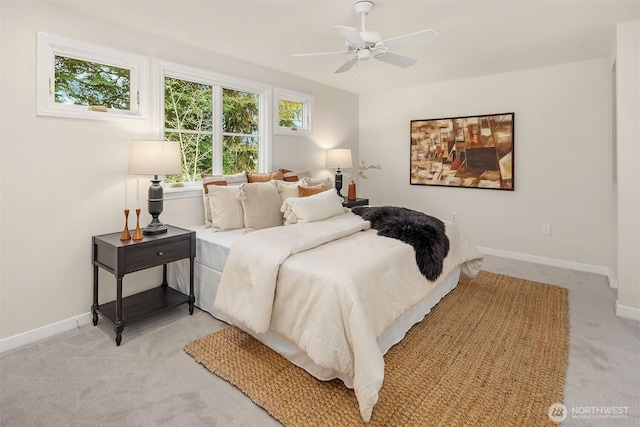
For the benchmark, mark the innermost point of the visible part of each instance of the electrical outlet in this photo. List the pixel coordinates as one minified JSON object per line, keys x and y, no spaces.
{"x":545,"y":228}
{"x":454,"y":216}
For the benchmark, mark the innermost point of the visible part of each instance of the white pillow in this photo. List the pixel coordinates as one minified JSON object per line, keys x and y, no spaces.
{"x":261,"y":204}
{"x":226,"y":209}
{"x":235,"y":179}
{"x":311,"y":182}
{"x":288,"y":189}
{"x":312,"y":208}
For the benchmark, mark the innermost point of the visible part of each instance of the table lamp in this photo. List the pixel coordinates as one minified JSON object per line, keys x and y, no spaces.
{"x":155,"y":158}
{"x":339,"y":158}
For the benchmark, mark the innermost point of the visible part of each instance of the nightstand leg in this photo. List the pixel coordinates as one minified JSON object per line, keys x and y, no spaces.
{"x":192,"y":298}
{"x":94,"y":307}
{"x":164,"y":276}
{"x":119,"y":326}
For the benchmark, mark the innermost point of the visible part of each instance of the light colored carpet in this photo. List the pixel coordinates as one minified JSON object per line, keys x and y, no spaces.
{"x":80,"y":377}
{"x":512,"y":334}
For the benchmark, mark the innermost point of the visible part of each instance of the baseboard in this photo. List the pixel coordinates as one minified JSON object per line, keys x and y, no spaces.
{"x":46,"y":331}
{"x":627,"y":312}
{"x":571,"y":265}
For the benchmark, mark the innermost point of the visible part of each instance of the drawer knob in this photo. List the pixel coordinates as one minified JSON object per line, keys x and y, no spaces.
{"x":160,"y":253}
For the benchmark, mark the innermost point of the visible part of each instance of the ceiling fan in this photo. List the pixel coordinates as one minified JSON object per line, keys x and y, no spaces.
{"x":369,"y":44}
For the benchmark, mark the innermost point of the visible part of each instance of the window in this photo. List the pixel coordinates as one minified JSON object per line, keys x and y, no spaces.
{"x":294,"y":112}
{"x":81,"y":80}
{"x":220,"y":122}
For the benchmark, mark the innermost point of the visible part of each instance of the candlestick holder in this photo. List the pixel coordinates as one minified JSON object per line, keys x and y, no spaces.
{"x":125,"y":233}
{"x":137,"y":235}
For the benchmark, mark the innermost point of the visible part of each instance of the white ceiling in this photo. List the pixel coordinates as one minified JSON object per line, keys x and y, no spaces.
{"x":477,"y":37}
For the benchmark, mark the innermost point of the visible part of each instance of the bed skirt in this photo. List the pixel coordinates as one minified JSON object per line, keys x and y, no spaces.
{"x":206,"y":282}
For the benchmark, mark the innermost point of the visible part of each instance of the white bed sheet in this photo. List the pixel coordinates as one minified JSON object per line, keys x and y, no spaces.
{"x":212,"y":247}
{"x":212,"y":251}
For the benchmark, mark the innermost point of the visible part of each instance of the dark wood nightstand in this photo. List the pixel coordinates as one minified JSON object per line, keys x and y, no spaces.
{"x":120,"y":258}
{"x":354,"y":203}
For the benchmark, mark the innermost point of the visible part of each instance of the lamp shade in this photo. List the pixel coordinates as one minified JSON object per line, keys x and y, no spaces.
{"x":154,"y":158}
{"x":339,"y":158}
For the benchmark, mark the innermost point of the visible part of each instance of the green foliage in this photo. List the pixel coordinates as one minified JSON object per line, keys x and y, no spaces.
{"x":79,"y":82}
{"x":240,"y":112}
{"x":290,"y":114}
{"x":189,"y":114}
{"x":239,"y":154}
{"x":240,"y":119}
{"x":188,"y":106}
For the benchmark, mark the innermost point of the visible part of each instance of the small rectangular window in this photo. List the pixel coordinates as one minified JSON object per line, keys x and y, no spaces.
{"x":81,"y":80}
{"x":294,"y":112}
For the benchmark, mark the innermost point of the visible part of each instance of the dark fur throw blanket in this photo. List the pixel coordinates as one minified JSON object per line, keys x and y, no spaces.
{"x":425,"y":233}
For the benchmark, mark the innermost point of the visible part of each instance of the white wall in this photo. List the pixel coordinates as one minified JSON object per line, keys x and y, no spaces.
{"x":63,"y":179}
{"x":562,"y":159}
{"x":628,"y":168}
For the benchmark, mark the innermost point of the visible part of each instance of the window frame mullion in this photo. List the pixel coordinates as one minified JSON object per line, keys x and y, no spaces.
{"x":217,"y":130}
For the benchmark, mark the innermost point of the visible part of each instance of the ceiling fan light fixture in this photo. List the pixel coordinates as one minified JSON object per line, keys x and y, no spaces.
{"x":364,"y":54}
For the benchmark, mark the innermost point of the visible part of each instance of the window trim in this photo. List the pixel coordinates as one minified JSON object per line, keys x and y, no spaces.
{"x":307,"y":111}
{"x":48,"y":46}
{"x":220,"y":81}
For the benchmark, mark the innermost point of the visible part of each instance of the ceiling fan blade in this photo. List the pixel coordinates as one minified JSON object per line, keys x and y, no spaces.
{"x":347,"y":65}
{"x":397,"y":59}
{"x":337,"y":52}
{"x":351,"y":35}
{"x":410,"y":40}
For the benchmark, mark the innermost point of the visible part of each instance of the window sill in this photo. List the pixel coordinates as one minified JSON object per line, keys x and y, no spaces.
{"x":185,"y":192}
{"x":287,"y":131}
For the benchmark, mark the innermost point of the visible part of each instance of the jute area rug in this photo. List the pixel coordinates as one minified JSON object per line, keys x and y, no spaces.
{"x":493,"y":352}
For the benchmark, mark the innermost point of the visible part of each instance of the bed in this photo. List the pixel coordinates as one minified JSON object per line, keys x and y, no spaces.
{"x":330,"y":295}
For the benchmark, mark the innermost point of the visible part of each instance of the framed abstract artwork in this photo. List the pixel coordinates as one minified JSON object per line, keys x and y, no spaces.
{"x":472,"y":152}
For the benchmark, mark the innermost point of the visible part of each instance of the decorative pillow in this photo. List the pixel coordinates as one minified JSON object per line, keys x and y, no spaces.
{"x":261,"y":205}
{"x":310,"y":191}
{"x":313,"y":208}
{"x":205,"y":199}
{"x":317,"y":181}
{"x":264,"y":177}
{"x":226,"y":209}
{"x":289,"y":176}
{"x":207,"y":179}
{"x":288,"y":189}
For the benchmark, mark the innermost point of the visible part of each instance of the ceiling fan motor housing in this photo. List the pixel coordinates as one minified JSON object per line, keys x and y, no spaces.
{"x":370,"y":37}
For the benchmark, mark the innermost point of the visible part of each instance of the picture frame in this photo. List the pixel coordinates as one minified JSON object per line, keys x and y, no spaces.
{"x":468,"y":152}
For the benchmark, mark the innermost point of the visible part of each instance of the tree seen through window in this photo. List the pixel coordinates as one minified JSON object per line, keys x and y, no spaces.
{"x":79,"y":82}
{"x":189,"y":111}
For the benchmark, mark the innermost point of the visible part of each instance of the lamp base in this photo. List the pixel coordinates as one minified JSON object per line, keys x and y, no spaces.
{"x":156,"y":204}
{"x":339,"y":183}
{"x":154,"y":227}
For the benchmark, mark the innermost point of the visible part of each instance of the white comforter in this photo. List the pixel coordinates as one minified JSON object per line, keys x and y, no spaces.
{"x":332,"y":287}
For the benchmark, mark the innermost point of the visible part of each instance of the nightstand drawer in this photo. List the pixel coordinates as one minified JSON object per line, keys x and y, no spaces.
{"x":143,"y":257}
